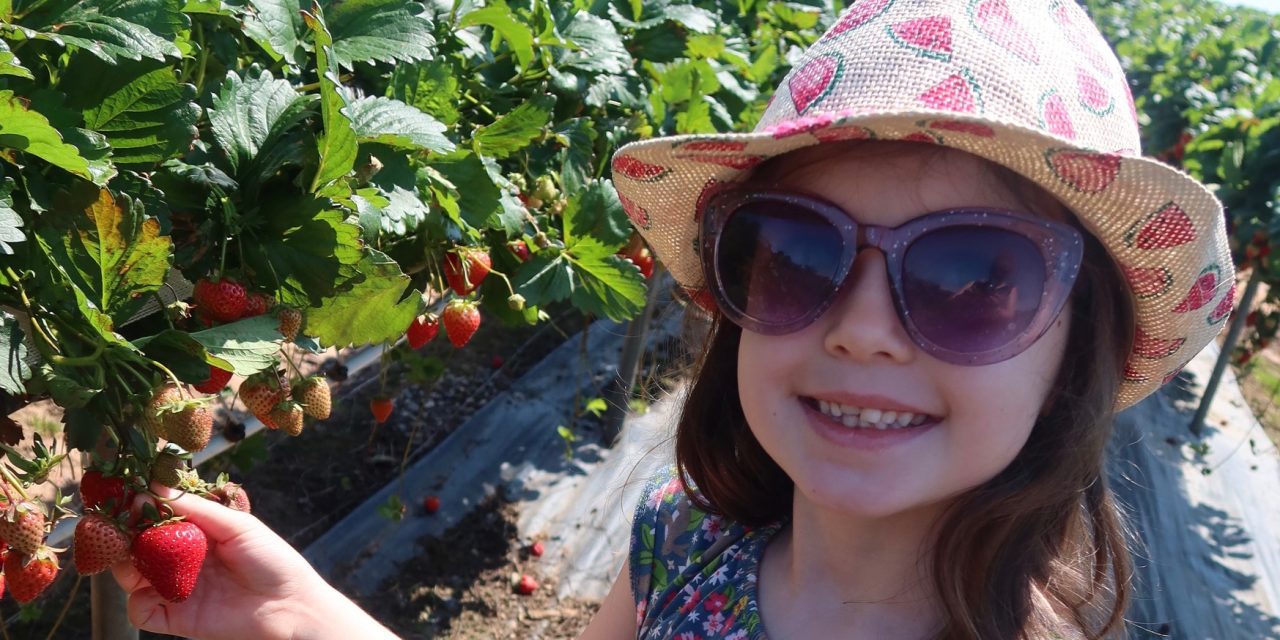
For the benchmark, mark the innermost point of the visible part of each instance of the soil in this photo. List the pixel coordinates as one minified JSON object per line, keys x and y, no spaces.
{"x":302,"y":486}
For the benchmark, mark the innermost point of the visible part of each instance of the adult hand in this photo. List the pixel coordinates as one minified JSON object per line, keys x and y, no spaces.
{"x":253,"y":585}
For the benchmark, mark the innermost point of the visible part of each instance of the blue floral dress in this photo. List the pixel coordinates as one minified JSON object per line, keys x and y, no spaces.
{"x":693,"y":574}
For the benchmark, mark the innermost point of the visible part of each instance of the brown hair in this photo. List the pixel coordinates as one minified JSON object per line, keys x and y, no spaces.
{"x":1046,"y":527}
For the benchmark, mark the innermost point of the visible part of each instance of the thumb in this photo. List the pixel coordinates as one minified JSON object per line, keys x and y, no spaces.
{"x":219,"y":523}
{"x":148,"y":611}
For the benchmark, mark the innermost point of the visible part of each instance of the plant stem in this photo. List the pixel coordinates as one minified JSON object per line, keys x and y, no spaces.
{"x":13,"y":482}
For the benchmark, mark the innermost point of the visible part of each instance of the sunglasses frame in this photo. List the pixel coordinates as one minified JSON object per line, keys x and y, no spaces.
{"x":1060,"y":245}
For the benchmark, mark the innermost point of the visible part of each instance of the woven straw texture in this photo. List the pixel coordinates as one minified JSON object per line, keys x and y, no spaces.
{"x":1028,"y":84}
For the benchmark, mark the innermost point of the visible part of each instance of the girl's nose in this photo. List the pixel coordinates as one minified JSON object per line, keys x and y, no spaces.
{"x":863,"y":324}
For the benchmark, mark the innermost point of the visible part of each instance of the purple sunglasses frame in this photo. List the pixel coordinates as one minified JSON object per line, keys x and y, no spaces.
{"x":1061,"y":246}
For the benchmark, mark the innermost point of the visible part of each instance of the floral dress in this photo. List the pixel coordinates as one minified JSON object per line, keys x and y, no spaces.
{"x":693,"y":574}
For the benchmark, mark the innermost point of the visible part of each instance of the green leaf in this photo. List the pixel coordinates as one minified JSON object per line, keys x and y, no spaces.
{"x":30,"y":132}
{"x":514,"y":131}
{"x":605,"y":284}
{"x":338,"y":146}
{"x":377,"y":309}
{"x":695,"y":19}
{"x":275,"y":25}
{"x":111,"y":29}
{"x":250,"y":117}
{"x":83,"y":429}
{"x":111,"y":253}
{"x":146,"y":115}
{"x":576,"y":164}
{"x":478,"y":198}
{"x":506,"y":25}
{"x":397,"y":125}
{"x":600,"y":48}
{"x":182,"y":354}
{"x":10,"y":65}
{"x":304,"y":250}
{"x":432,"y":87}
{"x":379,"y":30}
{"x":596,"y":212}
{"x":544,"y":279}
{"x":10,"y":221}
{"x":13,"y":356}
{"x":249,"y":345}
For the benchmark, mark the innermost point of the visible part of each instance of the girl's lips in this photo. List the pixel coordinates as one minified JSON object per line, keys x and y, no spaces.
{"x":862,"y":438}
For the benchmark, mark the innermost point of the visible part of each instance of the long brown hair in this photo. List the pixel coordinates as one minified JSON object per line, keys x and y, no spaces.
{"x":1040,"y":544}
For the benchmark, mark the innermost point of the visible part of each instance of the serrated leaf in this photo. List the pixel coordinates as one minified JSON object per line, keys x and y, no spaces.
{"x":544,"y":279}
{"x":111,"y":29}
{"x":596,"y":212}
{"x":506,"y":25}
{"x":600,"y":48}
{"x":379,"y":30}
{"x":249,"y":345}
{"x":514,"y":131}
{"x":10,"y":65}
{"x":185,"y":356}
{"x":338,"y":146}
{"x":396,"y":124}
{"x":30,"y":132}
{"x":250,"y":117}
{"x":304,"y":250}
{"x":605,"y":284}
{"x":478,"y":198}
{"x":10,"y":221}
{"x":13,"y":356}
{"x":275,"y":25}
{"x":576,"y":159}
{"x":146,"y":115}
{"x":695,"y":19}
{"x":112,"y":254}
{"x":377,"y":309}
{"x":431,"y":87}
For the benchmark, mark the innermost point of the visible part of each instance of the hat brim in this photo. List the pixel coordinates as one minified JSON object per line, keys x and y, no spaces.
{"x":1164,"y":229}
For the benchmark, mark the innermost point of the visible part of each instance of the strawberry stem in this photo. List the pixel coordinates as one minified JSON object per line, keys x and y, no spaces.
{"x":182,"y":392}
{"x":12,"y":481}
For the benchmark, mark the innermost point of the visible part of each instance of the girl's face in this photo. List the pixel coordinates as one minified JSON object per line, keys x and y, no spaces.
{"x":858,"y":354}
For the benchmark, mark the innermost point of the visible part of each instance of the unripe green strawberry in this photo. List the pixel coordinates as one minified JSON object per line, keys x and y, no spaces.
{"x":167,"y":469}
{"x":290,"y":323}
{"x":152,"y":415}
{"x":232,"y":495}
{"x":288,"y":416}
{"x":100,"y":542}
{"x":27,"y":575}
{"x":515,"y":302}
{"x":461,"y":320}
{"x":545,"y":189}
{"x":189,"y":424}
{"x":170,"y":555}
{"x":313,"y":394}
{"x":261,"y":392}
{"x":22,"y":526}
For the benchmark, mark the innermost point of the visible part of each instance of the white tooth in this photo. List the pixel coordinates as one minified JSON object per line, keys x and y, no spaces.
{"x":919,"y":419}
{"x":872,"y":415}
{"x":882,"y":426}
{"x":905,"y":419}
{"x":849,"y":421}
{"x":849,"y":409}
{"x":835,"y":410}
{"x":863,"y":422}
{"x":824,"y":406}
{"x":889,"y":416}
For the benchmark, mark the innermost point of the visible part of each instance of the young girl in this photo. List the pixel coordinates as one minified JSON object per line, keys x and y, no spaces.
{"x":934,"y":271}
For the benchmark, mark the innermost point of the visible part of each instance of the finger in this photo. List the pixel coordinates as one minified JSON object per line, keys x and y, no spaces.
{"x":127,"y":575}
{"x":148,"y":611}
{"x":218,"y":522}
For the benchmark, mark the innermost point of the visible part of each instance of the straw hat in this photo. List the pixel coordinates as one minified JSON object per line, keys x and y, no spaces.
{"x":1028,"y":84}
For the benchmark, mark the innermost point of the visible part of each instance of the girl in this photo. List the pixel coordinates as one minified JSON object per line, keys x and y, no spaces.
{"x":934,"y":271}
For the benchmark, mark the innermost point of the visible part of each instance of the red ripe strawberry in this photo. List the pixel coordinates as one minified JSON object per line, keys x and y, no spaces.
{"x":99,"y":544}
{"x":102,"y":492}
{"x":191,"y":426}
{"x":527,"y":585}
{"x":290,"y":323}
{"x":232,"y":495}
{"x":28,"y":575}
{"x":519,"y":248}
{"x":381,"y":407}
{"x":261,"y":392}
{"x":465,"y":272}
{"x":288,"y":416}
{"x":461,"y":320}
{"x":221,"y":300}
{"x":218,"y":378}
{"x":170,"y":555}
{"x":642,"y":258}
{"x":313,"y":393}
{"x":257,"y":304}
{"x":23,"y":527}
{"x":422,"y":331}
{"x":2,"y":576}
{"x":431,"y":504}
{"x":536,"y":549}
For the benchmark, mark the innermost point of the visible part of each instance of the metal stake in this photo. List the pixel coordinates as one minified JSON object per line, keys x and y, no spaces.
{"x":1224,"y":356}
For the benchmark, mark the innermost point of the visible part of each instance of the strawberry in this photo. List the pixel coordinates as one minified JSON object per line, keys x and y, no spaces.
{"x":290,"y":323}
{"x":423,"y":329}
{"x":519,"y":248}
{"x":537,"y":549}
{"x":189,"y":424}
{"x":167,"y":469}
{"x":288,"y":416}
{"x":169,"y":555}
{"x":464,"y":275}
{"x":30,"y":574}
{"x":431,"y":504}
{"x":527,"y":585}
{"x":220,"y":300}
{"x":641,"y":257}
{"x":261,"y":392}
{"x":152,"y":415}
{"x":23,"y":526}
{"x":381,"y":407}
{"x":497,"y":362}
{"x":257,"y":304}
{"x":461,"y":320}
{"x":232,"y":495}
{"x":98,"y":491}
{"x":218,"y":378}
{"x":313,"y":393}
{"x":99,"y":544}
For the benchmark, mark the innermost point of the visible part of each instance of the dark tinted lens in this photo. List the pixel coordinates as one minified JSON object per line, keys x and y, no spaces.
{"x":777,"y":261}
{"x":972,"y":289}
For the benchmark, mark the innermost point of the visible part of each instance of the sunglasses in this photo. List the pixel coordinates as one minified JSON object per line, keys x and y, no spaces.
{"x":971,"y":286}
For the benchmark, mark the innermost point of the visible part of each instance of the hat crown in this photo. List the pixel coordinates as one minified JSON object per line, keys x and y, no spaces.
{"x":1038,"y":64}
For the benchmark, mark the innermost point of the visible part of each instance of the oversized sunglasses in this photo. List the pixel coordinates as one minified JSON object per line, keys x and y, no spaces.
{"x":971,"y":286}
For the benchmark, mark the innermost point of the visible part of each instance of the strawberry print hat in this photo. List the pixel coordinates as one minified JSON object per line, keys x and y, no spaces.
{"x":1027,"y":84}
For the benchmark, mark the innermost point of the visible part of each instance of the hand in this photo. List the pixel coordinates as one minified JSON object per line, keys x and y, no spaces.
{"x":253,"y":585}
